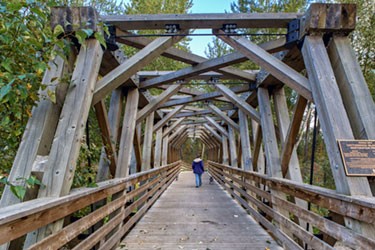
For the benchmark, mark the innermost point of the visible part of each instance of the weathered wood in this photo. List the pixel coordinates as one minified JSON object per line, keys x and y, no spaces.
{"x":137,"y":148}
{"x":127,"y":134}
{"x":158,"y":148}
{"x":201,"y":21}
{"x":212,"y":131}
{"x":216,"y":125}
{"x":190,"y":58}
{"x":155,"y":103}
{"x":65,"y":148}
{"x":41,"y":124}
{"x":178,"y":131}
{"x":128,"y":68}
{"x":321,"y":18}
{"x":334,"y":121}
{"x":229,"y":108}
{"x":204,"y":97}
{"x":72,"y":19}
{"x":164,"y":157}
{"x":232,"y":147}
{"x":245,"y":141}
{"x":114,"y":119}
{"x":147,"y":142}
{"x":172,"y":127}
{"x":165,"y":119}
{"x":258,"y":156}
{"x":108,"y":139}
{"x":276,"y":67}
{"x":223,"y":116}
{"x":185,"y":73}
{"x":293,"y":167}
{"x":291,"y":136}
{"x":224,"y":141}
{"x":357,"y":99}
{"x":240,"y":103}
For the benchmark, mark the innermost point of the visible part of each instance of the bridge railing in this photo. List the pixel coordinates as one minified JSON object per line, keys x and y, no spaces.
{"x":260,"y":196}
{"x":111,"y":209}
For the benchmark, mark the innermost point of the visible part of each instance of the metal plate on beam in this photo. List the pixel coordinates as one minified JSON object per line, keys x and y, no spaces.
{"x":358,"y":157}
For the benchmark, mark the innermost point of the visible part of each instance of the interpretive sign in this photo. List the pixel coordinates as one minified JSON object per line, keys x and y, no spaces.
{"x":358,"y":157}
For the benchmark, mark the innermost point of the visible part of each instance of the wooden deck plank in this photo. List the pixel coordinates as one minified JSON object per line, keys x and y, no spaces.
{"x":186,"y":217}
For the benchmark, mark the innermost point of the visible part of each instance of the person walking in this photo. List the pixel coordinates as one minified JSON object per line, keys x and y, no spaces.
{"x":198,"y":170}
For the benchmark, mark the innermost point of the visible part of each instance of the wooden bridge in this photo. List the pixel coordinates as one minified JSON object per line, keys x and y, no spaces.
{"x":247,"y":130}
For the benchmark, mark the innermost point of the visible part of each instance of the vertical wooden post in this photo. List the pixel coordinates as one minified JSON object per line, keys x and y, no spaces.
{"x":245,"y":141}
{"x":232,"y":147}
{"x":158,"y":147}
{"x":147,"y":142}
{"x":270,"y":145}
{"x":41,"y":124}
{"x":127,"y":134}
{"x":357,"y":99}
{"x":224,"y":141}
{"x":259,"y":159}
{"x":164,"y":158}
{"x":282,"y":115}
{"x":114,"y":116}
{"x":334,"y":122}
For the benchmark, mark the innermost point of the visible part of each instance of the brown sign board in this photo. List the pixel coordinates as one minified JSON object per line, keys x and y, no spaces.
{"x":358,"y":157}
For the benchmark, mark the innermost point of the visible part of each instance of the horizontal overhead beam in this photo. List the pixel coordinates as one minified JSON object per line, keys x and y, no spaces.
{"x":201,"y":21}
{"x":203,"y":112}
{"x":208,"y":65}
{"x":203,"y":97}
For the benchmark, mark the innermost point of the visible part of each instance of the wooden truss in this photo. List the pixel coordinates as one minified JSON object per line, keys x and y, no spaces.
{"x":240,"y":132}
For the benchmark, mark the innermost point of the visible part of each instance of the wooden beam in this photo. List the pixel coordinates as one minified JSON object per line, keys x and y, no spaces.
{"x":212,"y":131}
{"x":164,"y":157}
{"x":40,"y":128}
{"x":201,"y":21}
{"x":189,"y":58}
{"x":223,"y":116}
{"x":356,"y":97}
{"x":232,"y":147}
{"x":184,"y":73}
{"x":173,"y":126}
{"x":170,"y":115}
{"x":292,"y":133}
{"x":127,"y":134}
{"x":157,"y":102}
{"x":245,"y":141}
{"x":114,"y":119}
{"x":70,"y":130}
{"x":108,"y":139}
{"x":203,"y":112}
{"x":258,"y":155}
{"x":123,"y":72}
{"x":276,"y":67}
{"x":216,"y":125}
{"x":147,"y":143}
{"x":178,"y":131}
{"x":205,"y":96}
{"x":224,"y":142}
{"x":334,"y":121}
{"x":240,"y":103}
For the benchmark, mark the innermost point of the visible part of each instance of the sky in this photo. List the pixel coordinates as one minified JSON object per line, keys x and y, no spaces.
{"x":199,"y":43}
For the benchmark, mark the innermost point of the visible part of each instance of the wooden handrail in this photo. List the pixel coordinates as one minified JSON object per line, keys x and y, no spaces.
{"x":19,"y":219}
{"x":244,"y":187}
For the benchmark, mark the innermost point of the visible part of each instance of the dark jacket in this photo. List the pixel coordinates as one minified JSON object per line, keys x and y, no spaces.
{"x":198,"y":166}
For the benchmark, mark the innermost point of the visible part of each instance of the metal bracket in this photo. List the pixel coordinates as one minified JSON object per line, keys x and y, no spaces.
{"x":172,"y":28}
{"x":111,"y":38}
{"x":229,"y":28}
{"x":292,"y":36}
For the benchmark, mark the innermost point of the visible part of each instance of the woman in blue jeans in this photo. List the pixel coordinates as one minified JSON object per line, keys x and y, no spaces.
{"x":198,"y":170}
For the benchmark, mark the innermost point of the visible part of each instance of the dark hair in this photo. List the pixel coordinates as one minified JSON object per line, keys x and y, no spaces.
{"x":198,"y":156}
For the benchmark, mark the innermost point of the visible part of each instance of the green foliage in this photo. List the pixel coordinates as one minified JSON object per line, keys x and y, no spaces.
{"x":25,"y":47}
{"x":19,"y":190}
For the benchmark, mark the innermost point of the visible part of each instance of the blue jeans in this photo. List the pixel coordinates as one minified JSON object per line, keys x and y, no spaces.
{"x":198,"y":180}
